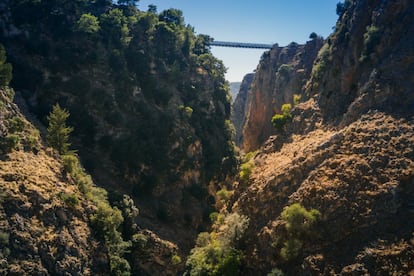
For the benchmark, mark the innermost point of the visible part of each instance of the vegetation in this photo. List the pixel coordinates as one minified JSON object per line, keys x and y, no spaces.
{"x":88,"y":23}
{"x":296,"y":99}
{"x":217,"y":253}
{"x":5,"y":68}
{"x":57,"y":131}
{"x":280,"y":120}
{"x":341,"y":7}
{"x":299,"y":225}
{"x":371,"y":39}
{"x":9,"y":143}
{"x":120,"y":72}
{"x":247,"y":167}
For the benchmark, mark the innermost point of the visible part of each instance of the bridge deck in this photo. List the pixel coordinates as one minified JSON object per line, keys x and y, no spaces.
{"x":241,"y":45}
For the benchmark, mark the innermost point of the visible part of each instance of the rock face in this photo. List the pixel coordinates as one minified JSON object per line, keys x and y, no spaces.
{"x":40,"y":233}
{"x":348,"y":153}
{"x":238,"y":115}
{"x":367,"y":62}
{"x":282,"y":72}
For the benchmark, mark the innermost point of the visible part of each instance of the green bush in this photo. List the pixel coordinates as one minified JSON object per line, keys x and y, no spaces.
{"x":291,"y":249}
{"x":223,"y":194}
{"x":70,"y":199}
{"x":70,"y":163}
{"x":245,"y":171}
{"x":16,"y":124}
{"x":216,"y":254}
{"x":276,"y":272}
{"x":298,"y":220}
{"x":296,"y":99}
{"x":175,"y":259}
{"x":371,"y":39}
{"x":4,"y":238}
{"x":213,"y":217}
{"x":280,"y":120}
{"x":10,"y":142}
{"x":299,"y":226}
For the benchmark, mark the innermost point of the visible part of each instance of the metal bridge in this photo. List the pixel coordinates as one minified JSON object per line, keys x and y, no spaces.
{"x":241,"y":45}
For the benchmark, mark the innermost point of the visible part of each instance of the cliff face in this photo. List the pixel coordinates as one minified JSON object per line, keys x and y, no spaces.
{"x":239,"y":106}
{"x":346,"y":153}
{"x":367,"y":62}
{"x":282,"y":72}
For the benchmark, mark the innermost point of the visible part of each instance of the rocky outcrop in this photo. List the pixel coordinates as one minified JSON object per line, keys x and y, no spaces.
{"x":282,"y":72}
{"x":238,"y":115}
{"x":367,"y":63}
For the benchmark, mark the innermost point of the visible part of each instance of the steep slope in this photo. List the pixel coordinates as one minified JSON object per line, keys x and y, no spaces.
{"x":359,"y":178}
{"x":238,"y":115}
{"x":282,"y":72}
{"x":42,"y":231}
{"x":148,"y":102}
{"x":333,"y":193}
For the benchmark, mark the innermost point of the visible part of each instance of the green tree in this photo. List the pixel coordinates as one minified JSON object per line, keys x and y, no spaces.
{"x":88,"y":23}
{"x":5,"y":68}
{"x":313,"y":36}
{"x":57,"y":131}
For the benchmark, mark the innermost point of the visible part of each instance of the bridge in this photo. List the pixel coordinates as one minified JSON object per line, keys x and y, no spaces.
{"x":241,"y":45}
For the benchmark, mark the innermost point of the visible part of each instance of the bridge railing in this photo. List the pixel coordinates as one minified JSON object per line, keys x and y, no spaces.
{"x":241,"y":45}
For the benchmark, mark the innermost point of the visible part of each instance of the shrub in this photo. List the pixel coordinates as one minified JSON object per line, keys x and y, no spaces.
{"x":70,"y":163}
{"x":299,"y":226}
{"x":223,"y":194}
{"x":10,"y":142}
{"x":291,"y":249}
{"x":188,"y":112}
{"x":245,"y":171}
{"x":175,"y":259}
{"x":216,"y":253}
{"x":280,"y":120}
{"x":296,"y":99}
{"x":16,"y":124}
{"x":298,"y":220}
{"x":276,"y":272}
{"x":70,"y":200}
{"x":371,"y":39}
{"x":213,"y":217}
{"x":4,"y":238}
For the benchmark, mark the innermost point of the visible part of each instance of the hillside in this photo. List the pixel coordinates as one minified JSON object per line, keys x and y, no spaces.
{"x":149,"y":103}
{"x":330,"y":191}
{"x":40,"y":231}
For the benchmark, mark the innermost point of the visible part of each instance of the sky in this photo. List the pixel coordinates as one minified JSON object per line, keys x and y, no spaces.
{"x":260,"y":21}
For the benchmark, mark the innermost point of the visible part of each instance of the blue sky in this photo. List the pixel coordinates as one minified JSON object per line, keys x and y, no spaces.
{"x":261,"y":21}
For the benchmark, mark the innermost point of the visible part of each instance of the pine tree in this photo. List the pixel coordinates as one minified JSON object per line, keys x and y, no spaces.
{"x":57,"y":131}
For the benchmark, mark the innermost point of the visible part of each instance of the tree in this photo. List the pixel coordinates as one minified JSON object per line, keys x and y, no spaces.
{"x":57,"y":131}
{"x":88,"y":23}
{"x":313,"y":36}
{"x":5,"y":68}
